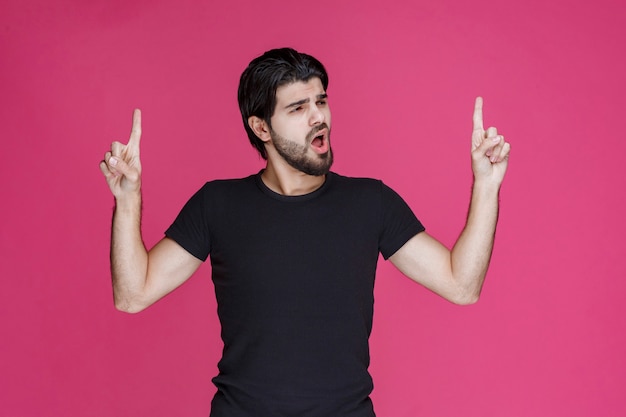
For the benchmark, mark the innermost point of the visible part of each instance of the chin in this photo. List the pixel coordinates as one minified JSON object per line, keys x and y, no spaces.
{"x":317,"y":170}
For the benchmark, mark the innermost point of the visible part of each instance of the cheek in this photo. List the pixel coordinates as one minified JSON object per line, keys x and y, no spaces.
{"x":285,"y":124}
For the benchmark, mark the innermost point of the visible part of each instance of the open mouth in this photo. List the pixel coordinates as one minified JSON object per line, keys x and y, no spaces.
{"x":319,"y":144}
{"x":318,"y":141}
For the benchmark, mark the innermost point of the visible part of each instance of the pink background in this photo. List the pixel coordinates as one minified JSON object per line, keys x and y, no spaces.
{"x":547,"y":337}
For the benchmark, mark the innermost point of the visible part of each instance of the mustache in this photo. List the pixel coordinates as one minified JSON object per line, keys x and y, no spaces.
{"x":313,"y":132}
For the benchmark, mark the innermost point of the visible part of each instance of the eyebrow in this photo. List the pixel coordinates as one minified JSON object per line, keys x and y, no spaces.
{"x":306,"y":100}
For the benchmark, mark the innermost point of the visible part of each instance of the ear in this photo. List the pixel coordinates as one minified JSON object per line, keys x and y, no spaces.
{"x":259,"y":127}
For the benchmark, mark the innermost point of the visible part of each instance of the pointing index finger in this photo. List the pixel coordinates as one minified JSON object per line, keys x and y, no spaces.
{"x":478,"y":114}
{"x":135,"y":133}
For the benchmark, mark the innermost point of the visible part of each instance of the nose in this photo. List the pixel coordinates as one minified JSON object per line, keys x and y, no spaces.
{"x":317,"y":116}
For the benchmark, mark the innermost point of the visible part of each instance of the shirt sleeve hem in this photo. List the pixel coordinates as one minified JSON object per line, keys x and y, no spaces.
{"x":196,"y":252}
{"x":401,"y":240}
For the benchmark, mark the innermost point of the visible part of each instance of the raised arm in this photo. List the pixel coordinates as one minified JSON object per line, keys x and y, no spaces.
{"x":458,"y":275}
{"x":139,"y":277}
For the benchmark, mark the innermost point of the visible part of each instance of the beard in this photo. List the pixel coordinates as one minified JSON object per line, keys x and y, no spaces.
{"x":299,"y":157}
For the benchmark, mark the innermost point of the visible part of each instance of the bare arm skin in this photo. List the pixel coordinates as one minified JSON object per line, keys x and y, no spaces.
{"x":458,"y":274}
{"x":139,"y":277}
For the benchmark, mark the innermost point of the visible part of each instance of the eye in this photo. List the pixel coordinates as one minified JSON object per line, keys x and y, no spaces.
{"x":296,"y":109}
{"x":321,"y":102}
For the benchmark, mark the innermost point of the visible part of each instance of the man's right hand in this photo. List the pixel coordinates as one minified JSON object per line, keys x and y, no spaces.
{"x":121,"y":165}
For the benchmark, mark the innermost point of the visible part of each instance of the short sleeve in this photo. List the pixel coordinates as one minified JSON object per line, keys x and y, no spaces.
{"x":190,"y":229}
{"x":399,"y":223}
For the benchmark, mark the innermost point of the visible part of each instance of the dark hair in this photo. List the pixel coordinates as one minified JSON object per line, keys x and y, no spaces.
{"x":259,"y":82}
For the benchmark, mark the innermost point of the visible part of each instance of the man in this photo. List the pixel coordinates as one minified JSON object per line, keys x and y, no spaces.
{"x":294,"y":249}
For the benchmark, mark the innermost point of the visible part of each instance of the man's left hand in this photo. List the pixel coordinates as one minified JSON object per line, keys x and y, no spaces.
{"x":490,"y":152}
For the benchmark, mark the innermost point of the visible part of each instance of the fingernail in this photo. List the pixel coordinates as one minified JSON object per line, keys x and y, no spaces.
{"x":112,"y":161}
{"x":496,"y":139}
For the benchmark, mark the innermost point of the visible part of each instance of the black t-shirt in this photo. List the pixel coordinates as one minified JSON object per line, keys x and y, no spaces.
{"x":294,"y":279}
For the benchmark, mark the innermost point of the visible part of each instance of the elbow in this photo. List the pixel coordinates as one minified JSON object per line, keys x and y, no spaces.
{"x":466,"y":291}
{"x":128,"y":306}
{"x":128,"y":309}
{"x":465,"y":297}
{"x":466,"y":300}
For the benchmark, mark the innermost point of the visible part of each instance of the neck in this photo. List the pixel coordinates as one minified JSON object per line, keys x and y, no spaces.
{"x":286,"y":180}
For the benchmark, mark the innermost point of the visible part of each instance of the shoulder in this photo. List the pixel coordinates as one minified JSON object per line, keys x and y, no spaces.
{"x":355,"y":182}
{"x":220,"y":191}
{"x":227,"y":185}
{"x":363,"y":185}
{"x":362,"y":189}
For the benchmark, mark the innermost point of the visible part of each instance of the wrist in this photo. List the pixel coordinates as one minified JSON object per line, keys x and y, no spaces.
{"x":486,"y":187}
{"x":128,"y":202}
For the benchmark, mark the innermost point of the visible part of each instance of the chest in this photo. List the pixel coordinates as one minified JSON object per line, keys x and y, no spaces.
{"x":295,"y":251}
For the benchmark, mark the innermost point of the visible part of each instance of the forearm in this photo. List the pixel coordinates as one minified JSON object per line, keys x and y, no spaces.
{"x":129,"y":258}
{"x":471,"y":253}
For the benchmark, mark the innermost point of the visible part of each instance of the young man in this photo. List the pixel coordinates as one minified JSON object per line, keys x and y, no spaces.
{"x":294,"y":249}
